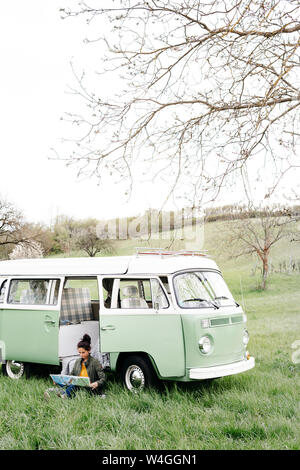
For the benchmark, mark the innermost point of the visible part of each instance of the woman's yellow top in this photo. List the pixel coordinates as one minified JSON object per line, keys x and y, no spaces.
{"x":83,"y":372}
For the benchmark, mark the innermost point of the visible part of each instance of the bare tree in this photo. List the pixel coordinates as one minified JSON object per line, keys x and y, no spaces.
{"x":209,"y":90}
{"x":257,"y":235}
{"x":87,"y":239}
{"x":71,"y":234}
{"x":13,"y":229}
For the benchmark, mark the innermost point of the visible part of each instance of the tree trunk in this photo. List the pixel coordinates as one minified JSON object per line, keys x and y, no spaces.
{"x":265,"y":271}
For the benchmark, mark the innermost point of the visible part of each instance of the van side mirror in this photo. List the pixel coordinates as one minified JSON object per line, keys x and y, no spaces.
{"x":156,"y":305}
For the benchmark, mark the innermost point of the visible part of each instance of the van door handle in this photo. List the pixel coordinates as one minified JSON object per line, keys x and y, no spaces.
{"x":48,"y":319}
{"x":108,"y":327}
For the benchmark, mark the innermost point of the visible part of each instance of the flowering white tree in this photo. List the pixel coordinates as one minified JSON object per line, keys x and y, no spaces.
{"x":31,"y":249}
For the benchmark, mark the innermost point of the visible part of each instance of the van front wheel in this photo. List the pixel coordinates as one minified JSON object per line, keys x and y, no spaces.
{"x":14,"y":369}
{"x":137,"y":374}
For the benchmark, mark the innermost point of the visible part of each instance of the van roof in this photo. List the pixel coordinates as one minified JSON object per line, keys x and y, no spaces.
{"x":138,"y":264}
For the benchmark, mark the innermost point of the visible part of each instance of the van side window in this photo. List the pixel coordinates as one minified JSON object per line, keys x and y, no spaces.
{"x":2,"y":291}
{"x":166,"y":284}
{"x":135,"y":294}
{"x":158,"y":294}
{"x":89,"y":283}
{"x":33,"y":292}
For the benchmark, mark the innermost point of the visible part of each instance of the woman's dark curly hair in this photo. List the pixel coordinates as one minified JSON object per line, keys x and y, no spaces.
{"x":85,"y":343}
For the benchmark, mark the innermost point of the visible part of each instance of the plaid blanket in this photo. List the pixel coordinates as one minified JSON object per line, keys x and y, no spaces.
{"x":76,"y":306}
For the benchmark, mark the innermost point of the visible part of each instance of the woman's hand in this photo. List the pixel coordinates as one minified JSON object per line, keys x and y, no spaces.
{"x":94,"y":385}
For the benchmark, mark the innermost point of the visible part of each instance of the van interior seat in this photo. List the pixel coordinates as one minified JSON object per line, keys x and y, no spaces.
{"x":76,"y":305}
{"x":132,"y":299}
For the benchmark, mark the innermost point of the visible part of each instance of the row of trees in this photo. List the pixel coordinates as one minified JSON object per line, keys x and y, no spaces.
{"x":20,"y":239}
{"x":244,"y":232}
{"x":238,"y":211}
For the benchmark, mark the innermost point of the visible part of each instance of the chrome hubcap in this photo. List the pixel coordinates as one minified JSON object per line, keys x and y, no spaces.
{"x":134,"y":378}
{"x":14,"y":369}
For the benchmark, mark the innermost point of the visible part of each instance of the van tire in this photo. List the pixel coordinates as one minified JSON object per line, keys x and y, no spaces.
{"x":137,"y":374}
{"x":15,"y":369}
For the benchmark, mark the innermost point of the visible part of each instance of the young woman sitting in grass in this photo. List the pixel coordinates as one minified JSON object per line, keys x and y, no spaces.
{"x":85,"y":366}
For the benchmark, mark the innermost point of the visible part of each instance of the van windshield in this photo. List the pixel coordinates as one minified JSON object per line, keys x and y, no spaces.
{"x":202,"y":289}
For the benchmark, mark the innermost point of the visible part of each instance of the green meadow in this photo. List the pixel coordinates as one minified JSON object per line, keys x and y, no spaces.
{"x":259,"y":409}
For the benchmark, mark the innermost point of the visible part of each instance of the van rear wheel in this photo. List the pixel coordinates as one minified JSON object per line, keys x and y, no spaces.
{"x":137,"y":374}
{"x":15,"y":369}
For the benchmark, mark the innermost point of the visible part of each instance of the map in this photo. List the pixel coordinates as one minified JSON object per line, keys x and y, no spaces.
{"x":66,"y":380}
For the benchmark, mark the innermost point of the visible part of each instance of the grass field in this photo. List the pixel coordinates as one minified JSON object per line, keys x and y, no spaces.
{"x":259,"y":409}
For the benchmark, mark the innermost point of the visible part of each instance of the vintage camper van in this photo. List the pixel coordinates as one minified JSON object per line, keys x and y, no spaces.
{"x":155,"y":315}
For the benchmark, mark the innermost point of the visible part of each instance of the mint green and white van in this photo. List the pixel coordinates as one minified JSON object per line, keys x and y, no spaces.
{"x":157,"y":314}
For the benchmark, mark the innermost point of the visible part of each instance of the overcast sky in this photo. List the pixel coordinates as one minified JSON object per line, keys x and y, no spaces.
{"x":36,"y":48}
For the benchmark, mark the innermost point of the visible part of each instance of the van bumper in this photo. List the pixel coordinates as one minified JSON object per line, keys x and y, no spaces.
{"x":221,"y":371}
